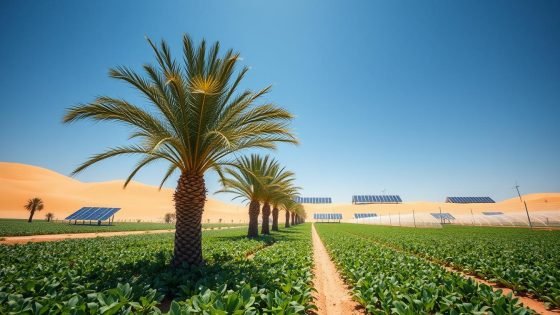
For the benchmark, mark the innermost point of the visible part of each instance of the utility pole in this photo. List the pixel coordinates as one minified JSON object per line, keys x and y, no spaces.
{"x":414,"y":217}
{"x":525,"y":204}
{"x":440,"y":216}
{"x":472,"y":215}
{"x":518,"y":193}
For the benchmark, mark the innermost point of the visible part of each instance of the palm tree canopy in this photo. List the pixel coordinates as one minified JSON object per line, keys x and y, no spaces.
{"x":246,"y":178}
{"x":196,"y":117}
{"x":34,"y":204}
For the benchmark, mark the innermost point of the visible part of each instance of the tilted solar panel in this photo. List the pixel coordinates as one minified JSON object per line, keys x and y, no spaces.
{"x":93,"y":214}
{"x":469,"y":200}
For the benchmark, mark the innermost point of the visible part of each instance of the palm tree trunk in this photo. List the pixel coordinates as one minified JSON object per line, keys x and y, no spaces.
{"x":265,"y":218}
{"x":31,"y":216}
{"x":287,"y":223}
{"x":275,"y":212}
{"x":293,"y":219}
{"x":190,"y":196}
{"x":254,"y":209}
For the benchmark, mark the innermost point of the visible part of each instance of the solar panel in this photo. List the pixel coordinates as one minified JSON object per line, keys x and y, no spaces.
{"x":469,"y":200}
{"x":444,"y":216}
{"x":91,"y":213}
{"x":364,"y":215}
{"x":357,"y":199}
{"x":327,"y":216}
{"x":313,"y":200}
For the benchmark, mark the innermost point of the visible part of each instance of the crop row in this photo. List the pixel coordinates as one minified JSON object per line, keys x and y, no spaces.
{"x":13,"y":227}
{"x":386,"y":281}
{"x":523,"y":260}
{"x":130,"y":274}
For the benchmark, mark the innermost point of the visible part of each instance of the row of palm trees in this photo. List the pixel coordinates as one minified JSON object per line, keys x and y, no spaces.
{"x":195,"y":119}
{"x":262,"y":181}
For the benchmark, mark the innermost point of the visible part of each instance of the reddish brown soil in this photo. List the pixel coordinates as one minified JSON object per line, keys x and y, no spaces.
{"x":332,"y":296}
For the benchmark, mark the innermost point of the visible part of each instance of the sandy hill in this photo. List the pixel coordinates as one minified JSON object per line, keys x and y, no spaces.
{"x":63,"y":195}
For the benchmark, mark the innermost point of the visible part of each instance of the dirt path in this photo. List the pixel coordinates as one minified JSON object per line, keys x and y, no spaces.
{"x":529,"y":302}
{"x":10,"y":240}
{"x":332,"y":296}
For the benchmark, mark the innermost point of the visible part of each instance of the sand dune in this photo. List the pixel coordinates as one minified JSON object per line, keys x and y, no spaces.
{"x":63,"y":195}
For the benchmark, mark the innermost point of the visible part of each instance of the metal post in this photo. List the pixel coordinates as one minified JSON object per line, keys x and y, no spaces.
{"x":472,"y":215}
{"x":528,"y":217}
{"x":414,"y":217}
{"x":440,"y":216}
{"x":390,"y":221}
{"x":399,"y":218}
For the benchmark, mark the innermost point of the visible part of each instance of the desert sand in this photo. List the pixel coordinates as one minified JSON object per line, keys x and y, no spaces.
{"x":64,"y":195}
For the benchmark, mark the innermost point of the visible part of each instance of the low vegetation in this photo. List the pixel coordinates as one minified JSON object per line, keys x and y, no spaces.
{"x":524,"y":260}
{"x":119,"y":275}
{"x":387,"y":281}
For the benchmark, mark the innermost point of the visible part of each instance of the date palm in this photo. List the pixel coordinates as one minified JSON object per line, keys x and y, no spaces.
{"x":246,"y":179}
{"x":33,"y":205}
{"x":281,"y":196}
{"x":194,"y":119}
{"x":276,"y":184}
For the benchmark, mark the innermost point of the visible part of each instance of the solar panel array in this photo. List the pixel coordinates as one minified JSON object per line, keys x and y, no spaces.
{"x":92,"y":213}
{"x":443,"y":216}
{"x":492,"y":213}
{"x":469,"y":200}
{"x":327,"y":216}
{"x":376,"y":199}
{"x":364,"y":215}
{"x":313,"y":199}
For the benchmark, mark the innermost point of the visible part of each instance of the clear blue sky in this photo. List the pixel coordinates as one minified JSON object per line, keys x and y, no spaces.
{"x":425,"y":99}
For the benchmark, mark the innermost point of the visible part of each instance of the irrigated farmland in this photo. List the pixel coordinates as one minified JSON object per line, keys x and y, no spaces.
{"x":120,"y":275}
{"x":521,"y":259}
{"x":386,"y":279}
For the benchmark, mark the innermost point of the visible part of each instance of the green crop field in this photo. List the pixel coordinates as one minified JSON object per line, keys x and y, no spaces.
{"x":119,"y":275}
{"x":400,"y":268}
{"x":390,"y":270}
{"x":14,"y":227}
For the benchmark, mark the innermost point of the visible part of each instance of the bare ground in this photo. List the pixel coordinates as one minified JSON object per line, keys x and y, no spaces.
{"x":332,"y":296}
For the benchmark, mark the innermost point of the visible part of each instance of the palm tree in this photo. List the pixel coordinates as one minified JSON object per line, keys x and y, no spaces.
{"x":276,"y":183}
{"x":282,"y":197}
{"x":245,"y":179}
{"x":49,"y":216}
{"x":194,"y":120}
{"x":34,"y":204}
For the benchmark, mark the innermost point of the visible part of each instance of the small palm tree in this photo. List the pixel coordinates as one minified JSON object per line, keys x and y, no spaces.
{"x":245,"y":179}
{"x":194,"y":120}
{"x":169,"y":218}
{"x":49,"y":216}
{"x":33,"y":205}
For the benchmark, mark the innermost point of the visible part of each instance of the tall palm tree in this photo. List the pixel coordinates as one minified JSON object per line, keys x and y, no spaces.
{"x":194,"y":120}
{"x":291,"y":207}
{"x":33,"y":205}
{"x":245,"y":179}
